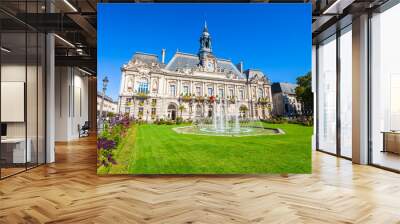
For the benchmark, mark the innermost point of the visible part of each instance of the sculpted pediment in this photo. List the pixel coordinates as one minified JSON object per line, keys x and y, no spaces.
{"x":142,"y":68}
{"x":259,"y":78}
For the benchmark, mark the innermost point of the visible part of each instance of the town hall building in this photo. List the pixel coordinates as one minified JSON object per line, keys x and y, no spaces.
{"x":190,"y":84}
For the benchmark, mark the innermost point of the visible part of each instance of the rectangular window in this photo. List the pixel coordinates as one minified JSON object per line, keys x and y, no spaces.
{"x":185,"y":90}
{"x":153,"y":112}
{"x":241,"y":93}
{"x":221,"y":93}
{"x":231,"y":92}
{"x":210,"y":91}
{"x":140,"y":113}
{"x":260,"y":93}
{"x":172,"y":90}
{"x":198,"y":91}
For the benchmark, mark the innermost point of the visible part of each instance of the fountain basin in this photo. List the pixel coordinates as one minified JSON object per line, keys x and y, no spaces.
{"x":232,"y":132}
{"x":226,"y":130}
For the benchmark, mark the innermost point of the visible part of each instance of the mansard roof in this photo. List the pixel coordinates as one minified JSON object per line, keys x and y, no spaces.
{"x":145,"y":57}
{"x":183,"y":60}
{"x":284,"y":87}
{"x":256,"y":74}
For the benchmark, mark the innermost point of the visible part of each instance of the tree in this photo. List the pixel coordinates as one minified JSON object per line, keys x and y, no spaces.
{"x":243,"y":109}
{"x":181,"y":108}
{"x":304,"y":94}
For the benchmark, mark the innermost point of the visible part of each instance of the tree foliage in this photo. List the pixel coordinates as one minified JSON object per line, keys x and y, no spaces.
{"x":304,"y":93}
{"x":181,"y":108}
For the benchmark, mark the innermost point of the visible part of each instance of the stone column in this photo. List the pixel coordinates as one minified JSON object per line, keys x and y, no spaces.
{"x":178,"y":88}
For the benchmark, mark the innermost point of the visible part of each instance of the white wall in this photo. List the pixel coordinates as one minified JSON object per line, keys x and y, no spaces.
{"x":71,"y":102}
{"x":33,"y":126}
{"x":9,"y":73}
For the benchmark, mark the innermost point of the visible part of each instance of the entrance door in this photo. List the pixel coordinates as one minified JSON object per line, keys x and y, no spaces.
{"x":173,"y":114}
{"x":172,"y":111}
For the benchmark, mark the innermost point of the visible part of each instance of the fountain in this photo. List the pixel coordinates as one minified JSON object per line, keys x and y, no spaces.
{"x":227,"y":120}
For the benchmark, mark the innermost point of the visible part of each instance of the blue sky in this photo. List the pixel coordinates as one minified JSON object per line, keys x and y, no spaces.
{"x":275,"y":38}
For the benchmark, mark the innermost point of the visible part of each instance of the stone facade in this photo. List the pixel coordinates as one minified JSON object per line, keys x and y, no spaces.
{"x":285,"y":100}
{"x":187,"y":85}
{"x":109,"y":106}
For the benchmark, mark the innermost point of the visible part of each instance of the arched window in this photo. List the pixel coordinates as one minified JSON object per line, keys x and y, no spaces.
{"x":171,"y":107}
{"x":143,"y":86}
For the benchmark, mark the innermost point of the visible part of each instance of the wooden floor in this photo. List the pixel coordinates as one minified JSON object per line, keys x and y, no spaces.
{"x":69,"y":191}
{"x":387,"y":159}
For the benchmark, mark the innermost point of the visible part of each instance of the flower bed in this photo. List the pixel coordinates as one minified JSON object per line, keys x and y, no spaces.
{"x":187,"y":98}
{"x":200,"y":99}
{"x":211,"y":99}
{"x":263,"y":100}
{"x":109,"y":139}
{"x":143,"y":95}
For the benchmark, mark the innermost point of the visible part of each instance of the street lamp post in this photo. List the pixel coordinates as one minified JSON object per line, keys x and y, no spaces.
{"x":105,"y":82}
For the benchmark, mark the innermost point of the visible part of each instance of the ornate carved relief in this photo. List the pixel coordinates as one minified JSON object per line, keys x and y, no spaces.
{"x":154,"y":86}
{"x":129,"y":84}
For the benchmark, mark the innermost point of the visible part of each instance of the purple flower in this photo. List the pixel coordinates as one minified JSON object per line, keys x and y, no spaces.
{"x":120,"y":120}
{"x":103,"y":143}
{"x":110,"y":159}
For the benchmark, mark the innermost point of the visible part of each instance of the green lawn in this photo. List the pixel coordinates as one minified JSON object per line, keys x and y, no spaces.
{"x":157,"y":149}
